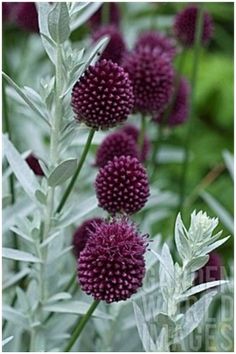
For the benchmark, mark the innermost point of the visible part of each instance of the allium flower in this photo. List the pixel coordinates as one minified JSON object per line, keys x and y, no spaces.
{"x":6,"y":11}
{"x":185,"y":26}
{"x":116,"y":45}
{"x":111,"y":267}
{"x":180,"y":108}
{"x":133,"y":132}
{"x":82,"y":234}
{"x":211,"y":271}
{"x":154,"y":39}
{"x":33,"y":163}
{"x":122,"y":185}
{"x":26,"y":16}
{"x":113,"y":15}
{"x":152,"y":75}
{"x":103,"y":96}
{"x":115,"y":144}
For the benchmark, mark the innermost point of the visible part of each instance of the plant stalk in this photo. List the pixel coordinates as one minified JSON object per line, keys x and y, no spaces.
{"x":197,"y":46}
{"x":167,"y":114}
{"x":80,"y":326}
{"x":142,"y":133}
{"x":54,"y":139}
{"x":77,"y":172}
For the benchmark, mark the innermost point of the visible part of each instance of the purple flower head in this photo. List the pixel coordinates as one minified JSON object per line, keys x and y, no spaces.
{"x":180,"y":109}
{"x":116,"y":45}
{"x":113,"y":15}
{"x":152,"y":76}
{"x":115,"y":144}
{"x":122,"y":185}
{"x":211,"y":271}
{"x":111,"y":267}
{"x":26,"y":16}
{"x":185,"y":26}
{"x":33,"y":163}
{"x":82,"y":234}
{"x":103,"y":96}
{"x":6,"y":11}
{"x":158,"y":40}
{"x":133,"y":132}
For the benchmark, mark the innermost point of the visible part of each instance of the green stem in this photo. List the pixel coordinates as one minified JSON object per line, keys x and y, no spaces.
{"x":11,"y":177}
{"x":167,"y":114}
{"x":142,"y":133}
{"x":8,"y":131}
{"x":77,"y":172}
{"x":80,"y":326}
{"x":54,"y":140}
{"x":197,"y":46}
{"x":154,"y":162}
{"x":105,"y":12}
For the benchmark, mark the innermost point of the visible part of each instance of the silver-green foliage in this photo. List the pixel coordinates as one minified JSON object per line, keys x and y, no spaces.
{"x":42,"y":235}
{"x":166,"y":317}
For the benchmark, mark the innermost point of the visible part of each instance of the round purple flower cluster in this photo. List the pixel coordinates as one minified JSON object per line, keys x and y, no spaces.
{"x":111,"y":267}
{"x":153,"y":39}
{"x":122,"y":185}
{"x":103,"y":96}
{"x":185,"y":26}
{"x":151,"y":73}
{"x":180,"y":109}
{"x":116,"y":45}
{"x":115,"y":144}
{"x":82,"y":234}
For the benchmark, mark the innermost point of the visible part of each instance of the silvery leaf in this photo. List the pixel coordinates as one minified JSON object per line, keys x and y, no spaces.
{"x":62,"y":172}
{"x":193,"y":316}
{"x":10,"y":253}
{"x":58,"y":22}
{"x":21,"y":169}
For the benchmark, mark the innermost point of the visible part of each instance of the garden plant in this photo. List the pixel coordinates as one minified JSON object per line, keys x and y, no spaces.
{"x":117,"y":176}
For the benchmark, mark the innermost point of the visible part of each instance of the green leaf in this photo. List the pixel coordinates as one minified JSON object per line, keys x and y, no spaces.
{"x":20,"y":168}
{"x":15,"y":278}
{"x":25,"y":97}
{"x":76,"y":307}
{"x":193,"y":316}
{"x":98,"y":48}
{"x":143,"y":331}
{"x":221,"y":212}
{"x":11,"y":253}
{"x":78,"y":212}
{"x":15,"y":316}
{"x":6,"y":340}
{"x":229,"y":161}
{"x":43,"y":11}
{"x":62,"y":172}
{"x":202,"y":287}
{"x":197,"y":263}
{"x":20,"y":209}
{"x":84,"y":13}
{"x":21,"y":234}
{"x":59,"y":296}
{"x":58,"y":23}
{"x":41,"y":197}
{"x":211,"y":247}
{"x":181,"y":239}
